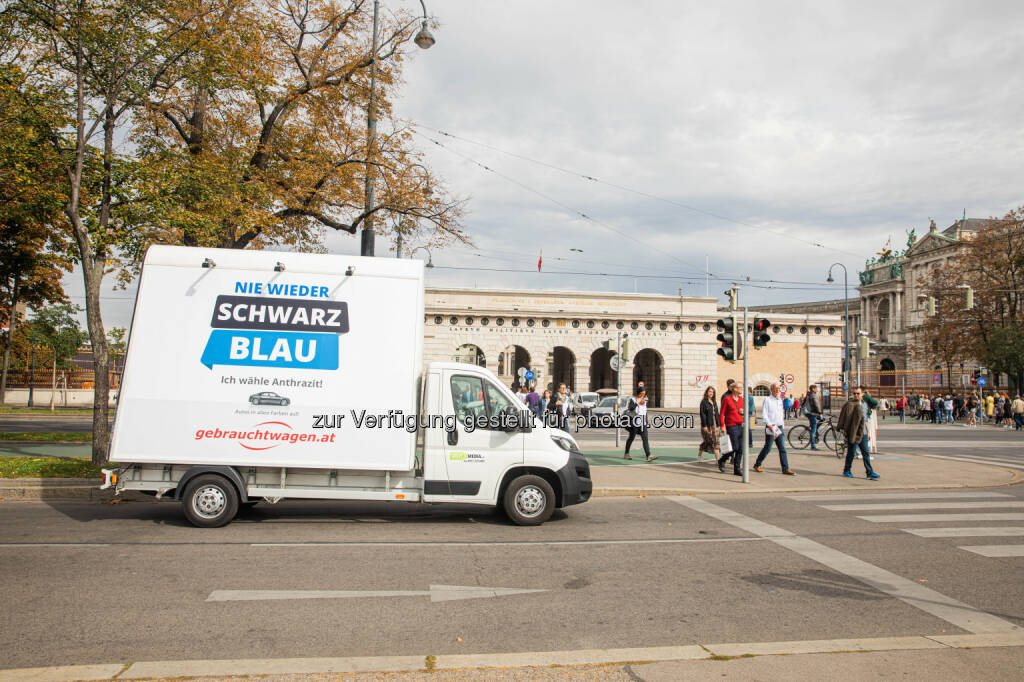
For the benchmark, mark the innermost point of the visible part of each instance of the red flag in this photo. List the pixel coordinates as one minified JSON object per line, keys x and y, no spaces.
{"x":540,"y":260}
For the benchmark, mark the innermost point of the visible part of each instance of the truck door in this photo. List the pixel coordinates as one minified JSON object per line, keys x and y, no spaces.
{"x":474,"y":458}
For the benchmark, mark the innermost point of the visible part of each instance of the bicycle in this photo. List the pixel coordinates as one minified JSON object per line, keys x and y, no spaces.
{"x":799,"y":436}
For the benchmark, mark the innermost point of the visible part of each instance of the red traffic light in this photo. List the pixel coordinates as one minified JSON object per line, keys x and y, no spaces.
{"x":761,"y":324}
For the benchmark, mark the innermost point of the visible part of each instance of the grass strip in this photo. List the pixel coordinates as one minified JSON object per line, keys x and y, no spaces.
{"x":47,"y":437}
{"x":47,"y":467}
{"x":39,"y":410}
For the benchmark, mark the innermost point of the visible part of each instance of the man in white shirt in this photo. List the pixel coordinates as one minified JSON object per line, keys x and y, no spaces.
{"x":774,"y":430}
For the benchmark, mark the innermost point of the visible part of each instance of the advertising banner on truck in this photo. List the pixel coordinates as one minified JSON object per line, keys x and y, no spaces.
{"x":272,"y":359}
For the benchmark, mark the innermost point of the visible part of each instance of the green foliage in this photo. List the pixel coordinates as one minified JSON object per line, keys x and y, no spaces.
{"x":47,"y":467}
{"x":1004,"y":352}
{"x":55,"y":328}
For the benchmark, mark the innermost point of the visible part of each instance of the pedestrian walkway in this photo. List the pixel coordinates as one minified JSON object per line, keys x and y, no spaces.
{"x":813,"y":472}
{"x":941,"y":507}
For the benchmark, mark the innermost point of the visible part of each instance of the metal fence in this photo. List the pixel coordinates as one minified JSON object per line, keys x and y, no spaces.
{"x":66,"y":379}
{"x":893,"y":383}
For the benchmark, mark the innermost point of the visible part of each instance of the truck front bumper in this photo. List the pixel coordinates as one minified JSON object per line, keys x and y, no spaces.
{"x":575,"y":479}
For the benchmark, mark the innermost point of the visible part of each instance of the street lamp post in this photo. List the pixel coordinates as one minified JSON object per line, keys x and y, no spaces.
{"x":430,"y":259}
{"x":846,"y":326}
{"x":424,"y":39}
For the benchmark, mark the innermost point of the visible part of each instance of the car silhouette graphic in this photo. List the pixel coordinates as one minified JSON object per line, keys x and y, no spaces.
{"x":268,"y":398}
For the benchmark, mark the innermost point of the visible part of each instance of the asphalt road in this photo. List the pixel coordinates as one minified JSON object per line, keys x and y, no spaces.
{"x":92,"y":583}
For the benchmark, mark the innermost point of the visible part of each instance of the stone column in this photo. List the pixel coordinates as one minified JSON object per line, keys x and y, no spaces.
{"x":898,"y":314}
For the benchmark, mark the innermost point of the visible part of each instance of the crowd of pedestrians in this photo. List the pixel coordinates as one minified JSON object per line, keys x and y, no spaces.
{"x":996,"y":408}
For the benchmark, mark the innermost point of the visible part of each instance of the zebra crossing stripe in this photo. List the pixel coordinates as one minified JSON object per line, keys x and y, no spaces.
{"x":978,"y":460}
{"x":909,"y":495}
{"x":997,"y":550}
{"x":980,"y":516}
{"x":938,"y":504}
{"x":987,"y":531}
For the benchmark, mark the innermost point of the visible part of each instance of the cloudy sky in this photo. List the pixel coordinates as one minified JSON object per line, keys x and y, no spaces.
{"x":773,"y":137}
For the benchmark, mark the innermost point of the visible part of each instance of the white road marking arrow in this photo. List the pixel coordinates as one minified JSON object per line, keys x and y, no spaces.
{"x":436,"y":593}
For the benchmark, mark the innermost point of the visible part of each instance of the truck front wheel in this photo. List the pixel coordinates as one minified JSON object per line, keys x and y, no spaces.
{"x":210,"y":501}
{"x":529,"y":500}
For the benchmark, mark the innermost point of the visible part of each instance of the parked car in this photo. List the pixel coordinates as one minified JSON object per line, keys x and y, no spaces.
{"x":607,"y":406}
{"x":268,"y":398}
{"x":583,"y":403}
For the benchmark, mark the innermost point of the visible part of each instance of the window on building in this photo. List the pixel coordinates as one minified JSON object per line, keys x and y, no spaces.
{"x":453,"y":320}
{"x":634,"y":325}
{"x":437,"y":319}
{"x":649,"y":326}
{"x":693,"y":327}
{"x":762,"y":390}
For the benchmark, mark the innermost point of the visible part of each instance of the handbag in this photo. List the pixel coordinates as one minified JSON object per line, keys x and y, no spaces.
{"x":725,"y":444}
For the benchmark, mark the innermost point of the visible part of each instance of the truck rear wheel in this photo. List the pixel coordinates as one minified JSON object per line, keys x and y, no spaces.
{"x":529,"y":500}
{"x":210,"y":501}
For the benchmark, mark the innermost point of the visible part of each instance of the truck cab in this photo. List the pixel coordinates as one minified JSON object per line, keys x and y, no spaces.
{"x":497,"y":452}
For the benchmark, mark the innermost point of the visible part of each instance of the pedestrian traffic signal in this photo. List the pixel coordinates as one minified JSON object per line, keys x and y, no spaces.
{"x":625,"y":350}
{"x":761,"y":337}
{"x":728,"y":337}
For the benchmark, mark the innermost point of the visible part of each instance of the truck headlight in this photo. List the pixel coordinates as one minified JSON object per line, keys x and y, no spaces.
{"x":566,"y":444}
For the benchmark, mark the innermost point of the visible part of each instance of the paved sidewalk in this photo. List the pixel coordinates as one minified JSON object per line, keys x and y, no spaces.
{"x":815,"y":471}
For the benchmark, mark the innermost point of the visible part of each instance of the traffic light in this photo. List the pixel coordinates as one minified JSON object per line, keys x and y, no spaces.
{"x":761,"y":337}
{"x":930,"y":308}
{"x":733,"y":295}
{"x":863,"y":347}
{"x":729,"y":338}
{"x":968,"y":298}
{"x":625,"y":350}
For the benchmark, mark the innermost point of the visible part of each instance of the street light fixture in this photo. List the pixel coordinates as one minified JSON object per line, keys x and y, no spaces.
{"x":846,"y":325}
{"x":430,"y":259}
{"x":424,"y":39}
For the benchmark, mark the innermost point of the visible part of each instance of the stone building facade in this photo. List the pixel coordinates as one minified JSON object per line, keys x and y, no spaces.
{"x":560,"y":336}
{"x":891,"y":290}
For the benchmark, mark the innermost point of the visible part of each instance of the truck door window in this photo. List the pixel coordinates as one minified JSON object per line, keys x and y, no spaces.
{"x":496,"y":400}
{"x":468,"y":397}
{"x":473,"y":397}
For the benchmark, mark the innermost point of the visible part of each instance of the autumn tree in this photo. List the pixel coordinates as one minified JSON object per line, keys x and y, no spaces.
{"x":263,"y":141}
{"x":95,"y":62}
{"x":32,"y":253}
{"x":990,"y":262}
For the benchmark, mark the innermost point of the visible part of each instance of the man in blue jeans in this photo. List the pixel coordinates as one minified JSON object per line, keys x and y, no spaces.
{"x":851,"y":423}
{"x":813,"y":408}
{"x":773,"y":416}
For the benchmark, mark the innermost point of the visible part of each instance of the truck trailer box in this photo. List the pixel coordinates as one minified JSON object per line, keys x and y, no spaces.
{"x":258,"y":376}
{"x":240,"y":358}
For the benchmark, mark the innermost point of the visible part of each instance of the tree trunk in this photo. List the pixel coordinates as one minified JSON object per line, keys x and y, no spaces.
{"x":12,"y":325}
{"x":93,"y":274}
{"x":53,"y":384}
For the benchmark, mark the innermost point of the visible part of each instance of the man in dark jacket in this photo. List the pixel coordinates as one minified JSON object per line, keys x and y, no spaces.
{"x":813,"y":409}
{"x":852,"y":423}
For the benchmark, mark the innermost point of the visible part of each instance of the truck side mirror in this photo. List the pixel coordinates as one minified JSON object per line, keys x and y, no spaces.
{"x":511,"y":420}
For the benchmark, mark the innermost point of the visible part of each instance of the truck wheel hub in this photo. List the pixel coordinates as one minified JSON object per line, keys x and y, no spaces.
{"x":530,"y":501}
{"x":209,"y":501}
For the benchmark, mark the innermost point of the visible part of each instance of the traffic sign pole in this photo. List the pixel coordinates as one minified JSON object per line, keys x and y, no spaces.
{"x":618,"y":386}
{"x":748,"y":417}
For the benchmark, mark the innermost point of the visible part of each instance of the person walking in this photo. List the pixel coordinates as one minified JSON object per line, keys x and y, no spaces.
{"x":773,"y":416}
{"x":871,"y":420}
{"x":533,"y":402}
{"x":545,"y":398}
{"x":812,"y":406}
{"x":787,"y":406}
{"x":901,"y":408}
{"x":947,"y":405}
{"x":636,"y":412}
{"x":989,"y":404}
{"x":708,"y":425}
{"x":883,"y":408}
{"x":1017,"y":408}
{"x":558,"y":407}
{"x":971,"y":410}
{"x":851,"y":423}
{"x":730,"y":418}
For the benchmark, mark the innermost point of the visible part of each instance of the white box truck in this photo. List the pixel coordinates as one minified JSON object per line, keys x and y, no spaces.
{"x":258,"y":376}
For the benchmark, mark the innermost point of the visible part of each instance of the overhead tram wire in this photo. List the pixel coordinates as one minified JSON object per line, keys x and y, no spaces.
{"x":629,"y":275}
{"x":742,"y":279}
{"x":636,"y":191}
{"x":564,"y":206}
